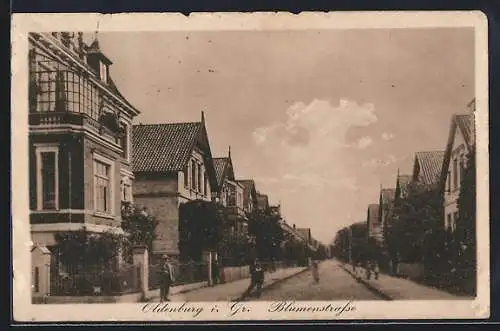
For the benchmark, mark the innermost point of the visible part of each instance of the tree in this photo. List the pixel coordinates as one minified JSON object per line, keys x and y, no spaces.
{"x":81,"y":250}
{"x":265,"y":227}
{"x":139,"y":225}
{"x":201,"y":227}
{"x":414,"y":219}
{"x":465,"y":234}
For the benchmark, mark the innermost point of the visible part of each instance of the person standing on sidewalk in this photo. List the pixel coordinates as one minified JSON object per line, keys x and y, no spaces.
{"x":256,"y":279}
{"x":315,"y":271}
{"x":166,"y":278}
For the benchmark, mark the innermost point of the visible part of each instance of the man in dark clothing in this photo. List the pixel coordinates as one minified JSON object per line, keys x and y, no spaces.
{"x":166,"y":278}
{"x":257,"y":279}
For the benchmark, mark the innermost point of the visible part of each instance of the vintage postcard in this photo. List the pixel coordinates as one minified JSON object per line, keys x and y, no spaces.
{"x":260,"y":166}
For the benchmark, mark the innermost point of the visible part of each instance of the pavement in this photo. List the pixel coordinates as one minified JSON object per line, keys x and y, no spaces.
{"x":396,"y":288}
{"x":229,"y":291}
{"x":334,"y":284}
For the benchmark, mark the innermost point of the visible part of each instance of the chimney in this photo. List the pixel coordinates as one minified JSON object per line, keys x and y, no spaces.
{"x":294,"y":226}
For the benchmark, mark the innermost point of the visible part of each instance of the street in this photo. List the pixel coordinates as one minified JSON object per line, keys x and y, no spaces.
{"x":334,"y":284}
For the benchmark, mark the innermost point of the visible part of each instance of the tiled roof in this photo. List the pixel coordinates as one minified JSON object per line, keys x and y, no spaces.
{"x":466,"y":125}
{"x":220,"y":165}
{"x":163,"y":147}
{"x":387,"y":195}
{"x":247,"y":183}
{"x":304,"y":233}
{"x":430,"y":164}
{"x":262,"y":200}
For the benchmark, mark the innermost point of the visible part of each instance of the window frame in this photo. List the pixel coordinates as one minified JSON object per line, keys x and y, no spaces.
{"x":111,"y":163}
{"x":46,"y":148}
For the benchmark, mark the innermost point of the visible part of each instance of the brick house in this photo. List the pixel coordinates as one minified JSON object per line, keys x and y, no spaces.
{"x":172,"y":164}
{"x":461,"y":142}
{"x":79,"y":138}
{"x":230,"y":193}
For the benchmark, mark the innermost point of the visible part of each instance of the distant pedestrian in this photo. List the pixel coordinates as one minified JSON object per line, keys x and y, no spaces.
{"x":256,"y":279}
{"x":215,"y":272}
{"x":315,"y":271}
{"x":166,"y":278}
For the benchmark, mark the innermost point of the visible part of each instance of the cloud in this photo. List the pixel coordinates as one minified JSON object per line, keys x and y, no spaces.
{"x":380,"y":162}
{"x":387,"y":136}
{"x":364,"y":142}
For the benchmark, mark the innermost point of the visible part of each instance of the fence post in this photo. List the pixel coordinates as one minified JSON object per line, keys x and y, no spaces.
{"x":140,"y":258}
{"x":40,"y":264}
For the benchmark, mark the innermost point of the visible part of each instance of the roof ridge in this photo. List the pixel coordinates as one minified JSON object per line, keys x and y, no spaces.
{"x":160,"y":124}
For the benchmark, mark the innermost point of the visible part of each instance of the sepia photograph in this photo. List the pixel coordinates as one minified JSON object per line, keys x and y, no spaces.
{"x":268,"y":166}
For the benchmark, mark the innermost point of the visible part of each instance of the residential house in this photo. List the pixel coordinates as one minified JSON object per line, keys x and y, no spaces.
{"x":79,"y":138}
{"x":172,"y":164}
{"x":461,"y":143}
{"x":230,"y":193}
{"x":374,"y":228}
{"x":249,"y":195}
{"x":386,"y":200}
{"x":262,"y":201}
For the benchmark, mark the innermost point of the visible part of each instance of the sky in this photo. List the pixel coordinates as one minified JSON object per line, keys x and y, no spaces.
{"x":319,"y":119}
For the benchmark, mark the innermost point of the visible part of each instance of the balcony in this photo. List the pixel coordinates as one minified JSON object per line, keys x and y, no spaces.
{"x":69,"y":118}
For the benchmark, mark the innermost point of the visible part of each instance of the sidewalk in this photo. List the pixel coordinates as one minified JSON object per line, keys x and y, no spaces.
{"x":395,"y":288}
{"x":226,"y":292}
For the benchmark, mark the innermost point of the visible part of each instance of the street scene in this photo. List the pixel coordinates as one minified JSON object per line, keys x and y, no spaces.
{"x":228,"y":166}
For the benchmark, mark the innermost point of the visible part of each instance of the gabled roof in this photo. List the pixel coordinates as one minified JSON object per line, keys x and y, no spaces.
{"x":464,"y":123}
{"x":220,"y":164}
{"x":427,"y":166}
{"x":247,"y":183}
{"x":163,"y":147}
{"x":262,"y":201}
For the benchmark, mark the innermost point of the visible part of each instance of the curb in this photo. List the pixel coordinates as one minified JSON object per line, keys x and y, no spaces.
{"x":278,"y":281}
{"x":369,"y":286}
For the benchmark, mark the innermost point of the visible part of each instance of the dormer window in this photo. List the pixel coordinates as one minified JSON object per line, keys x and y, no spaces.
{"x":103,"y":72}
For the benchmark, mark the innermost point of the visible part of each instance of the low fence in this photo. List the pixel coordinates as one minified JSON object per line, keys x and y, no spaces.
{"x":96,"y":282}
{"x":184,"y":273}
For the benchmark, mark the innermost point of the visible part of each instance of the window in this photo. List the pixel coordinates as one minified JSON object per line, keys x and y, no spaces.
{"x":462,"y":167}
{"x":193,"y":175}
{"x":448,"y":182}
{"x":455,"y":174}
{"x":186,"y":176}
{"x":455,"y":220}
{"x":103,"y":185}
{"x":36,"y":280}
{"x":199,"y":185}
{"x":205,"y":183}
{"x":47,"y":159}
{"x":103,"y":72}
{"x":124,"y":143}
{"x":448,"y":222}
{"x":126,"y":190}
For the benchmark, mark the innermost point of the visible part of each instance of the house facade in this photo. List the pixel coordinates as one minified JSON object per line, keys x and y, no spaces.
{"x":427,"y":167}
{"x":230,"y":193}
{"x":79,"y":138}
{"x":172,"y":164}
{"x":249,"y":195}
{"x":461,"y":144}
